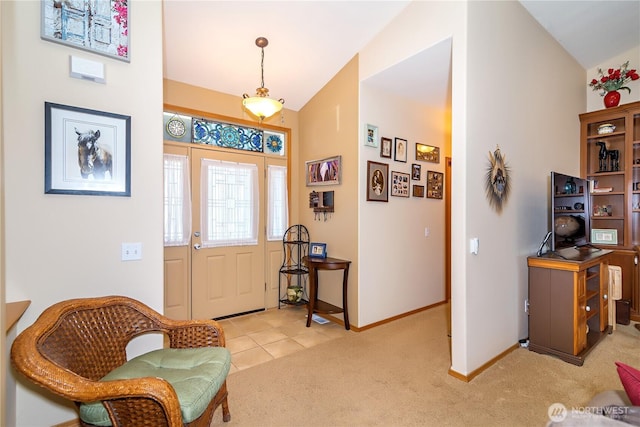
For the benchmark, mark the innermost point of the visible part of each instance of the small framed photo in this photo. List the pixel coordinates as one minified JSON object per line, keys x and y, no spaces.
{"x":377,"y":182}
{"x":418,"y":190}
{"x":427,"y":153}
{"x":324,"y":172}
{"x":400,"y":150}
{"x":317,"y":250}
{"x":371,"y":136}
{"x":604,"y":236}
{"x":399,"y":184}
{"x":86,"y":151}
{"x":416,"y":172}
{"x":434,"y":185}
{"x":100,"y":26}
{"x":385,"y":147}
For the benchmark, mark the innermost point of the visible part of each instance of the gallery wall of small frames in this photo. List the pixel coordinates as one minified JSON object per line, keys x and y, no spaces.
{"x":404,"y":175}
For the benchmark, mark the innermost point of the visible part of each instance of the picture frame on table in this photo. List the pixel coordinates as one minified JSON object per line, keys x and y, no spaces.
{"x":317,"y":250}
{"x":371,"y":136}
{"x":400,"y":150}
{"x":386,"y":147}
{"x":427,"y":153}
{"x":434,"y":184}
{"x":87,"y":152}
{"x":377,"y":182}
{"x":399,"y":184}
{"x":604,"y":236}
{"x":324,"y":172}
{"x":66,"y":23}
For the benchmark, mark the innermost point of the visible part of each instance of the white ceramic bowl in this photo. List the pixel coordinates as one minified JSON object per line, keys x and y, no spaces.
{"x":606,"y":128}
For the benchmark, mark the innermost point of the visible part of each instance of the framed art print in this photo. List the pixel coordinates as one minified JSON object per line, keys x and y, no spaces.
{"x":98,"y":26}
{"x":418,"y":190}
{"x":377,"y":182}
{"x":385,"y":147}
{"x":400,"y":150}
{"x":371,"y":136}
{"x":324,"y":172}
{"x":86,"y":151}
{"x":399,"y":184}
{"x":427,"y":153}
{"x":434,"y":185}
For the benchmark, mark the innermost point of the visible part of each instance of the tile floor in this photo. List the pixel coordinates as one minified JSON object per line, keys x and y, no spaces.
{"x":260,"y":337}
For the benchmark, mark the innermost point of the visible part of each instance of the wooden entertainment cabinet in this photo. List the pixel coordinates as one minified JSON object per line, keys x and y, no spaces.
{"x":610,"y":156}
{"x":568,"y":302}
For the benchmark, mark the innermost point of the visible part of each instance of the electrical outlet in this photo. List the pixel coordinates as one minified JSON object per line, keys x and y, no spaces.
{"x":131,"y":251}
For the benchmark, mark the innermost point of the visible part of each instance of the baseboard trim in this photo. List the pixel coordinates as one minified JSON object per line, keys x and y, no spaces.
{"x":388,"y":320}
{"x":484,"y":367}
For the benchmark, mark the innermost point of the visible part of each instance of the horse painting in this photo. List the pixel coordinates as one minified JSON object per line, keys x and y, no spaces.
{"x":93,"y":158}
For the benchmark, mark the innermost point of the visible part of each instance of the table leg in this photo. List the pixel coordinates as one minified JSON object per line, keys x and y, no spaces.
{"x":313,"y":293}
{"x":345,"y":307}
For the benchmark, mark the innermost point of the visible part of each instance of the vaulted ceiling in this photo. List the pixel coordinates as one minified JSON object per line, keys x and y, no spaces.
{"x":211,"y":44}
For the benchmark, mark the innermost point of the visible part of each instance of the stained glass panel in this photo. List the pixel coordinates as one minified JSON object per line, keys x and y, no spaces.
{"x":227,"y":135}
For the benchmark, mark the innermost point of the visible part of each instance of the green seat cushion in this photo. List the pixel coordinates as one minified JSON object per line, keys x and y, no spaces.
{"x":196,"y":375}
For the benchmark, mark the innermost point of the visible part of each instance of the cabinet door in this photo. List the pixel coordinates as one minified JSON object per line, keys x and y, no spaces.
{"x":580,"y":312}
{"x":604,"y":295}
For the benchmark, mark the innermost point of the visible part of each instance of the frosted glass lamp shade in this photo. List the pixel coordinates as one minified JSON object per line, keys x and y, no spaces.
{"x":262,"y":107}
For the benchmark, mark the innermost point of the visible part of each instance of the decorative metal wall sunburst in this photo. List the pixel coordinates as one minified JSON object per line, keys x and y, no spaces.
{"x":498,"y":183}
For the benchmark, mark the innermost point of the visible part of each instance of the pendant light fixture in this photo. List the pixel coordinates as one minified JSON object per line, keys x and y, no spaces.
{"x":260,"y":105}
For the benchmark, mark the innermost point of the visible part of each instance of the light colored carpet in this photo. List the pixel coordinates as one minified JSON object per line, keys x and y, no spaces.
{"x":396,"y":375}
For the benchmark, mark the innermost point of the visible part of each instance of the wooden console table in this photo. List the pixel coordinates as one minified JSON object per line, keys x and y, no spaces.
{"x":318,"y":306}
{"x":568,"y":302}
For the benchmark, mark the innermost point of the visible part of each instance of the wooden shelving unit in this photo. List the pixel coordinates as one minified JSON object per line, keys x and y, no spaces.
{"x":620,"y":170}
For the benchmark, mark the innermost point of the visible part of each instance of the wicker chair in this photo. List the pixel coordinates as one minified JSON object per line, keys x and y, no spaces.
{"x":73,"y":344}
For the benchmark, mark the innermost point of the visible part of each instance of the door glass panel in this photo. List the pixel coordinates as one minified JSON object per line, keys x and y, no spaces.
{"x":229,"y":206}
{"x":277,"y":207}
{"x":177,"y":201}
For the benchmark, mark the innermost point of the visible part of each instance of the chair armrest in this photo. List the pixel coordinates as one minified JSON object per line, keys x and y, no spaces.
{"x":194,"y":333}
{"x":112,"y":393}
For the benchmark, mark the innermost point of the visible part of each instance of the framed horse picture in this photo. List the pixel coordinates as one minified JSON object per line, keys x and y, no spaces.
{"x":86,"y":151}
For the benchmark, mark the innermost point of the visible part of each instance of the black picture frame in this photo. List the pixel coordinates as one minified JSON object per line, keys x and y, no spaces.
{"x":416,"y":172}
{"x":377,"y":182}
{"x":418,"y":190}
{"x":400,"y":150}
{"x":87,"y":152}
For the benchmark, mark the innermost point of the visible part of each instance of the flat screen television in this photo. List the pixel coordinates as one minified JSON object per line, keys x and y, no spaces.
{"x":569,"y":211}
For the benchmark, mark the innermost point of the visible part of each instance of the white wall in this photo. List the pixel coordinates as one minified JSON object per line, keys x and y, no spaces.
{"x":402,"y":270}
{"x":498,"y":99}
{"x":535,"y":123}
{"x":68,"y":246}
{"x":594,"y":99}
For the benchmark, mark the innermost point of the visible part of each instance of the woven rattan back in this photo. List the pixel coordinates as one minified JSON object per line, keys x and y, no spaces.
{"x":92,"y":341}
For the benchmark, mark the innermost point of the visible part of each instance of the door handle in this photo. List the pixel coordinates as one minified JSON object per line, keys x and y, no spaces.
{"x":197,"y":246}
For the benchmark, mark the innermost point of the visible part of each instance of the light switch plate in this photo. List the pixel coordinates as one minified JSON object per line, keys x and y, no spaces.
{"x":131,"y":251}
